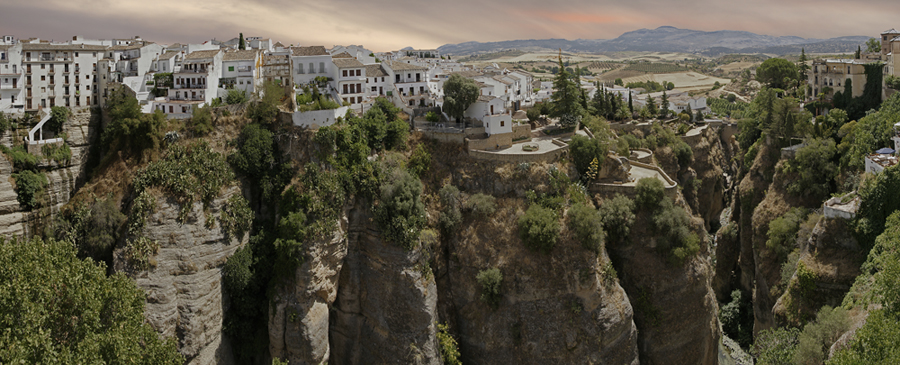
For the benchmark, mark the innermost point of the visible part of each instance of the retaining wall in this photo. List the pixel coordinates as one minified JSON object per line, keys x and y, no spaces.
{"x":445,"y":137}
{"x":318,"y":118}
{"x":493,"y":142}
{"x":521,"y":131}
{"x":548,"y":157}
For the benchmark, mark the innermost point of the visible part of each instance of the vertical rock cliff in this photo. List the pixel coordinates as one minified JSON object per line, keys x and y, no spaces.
{"x":184,"y":284}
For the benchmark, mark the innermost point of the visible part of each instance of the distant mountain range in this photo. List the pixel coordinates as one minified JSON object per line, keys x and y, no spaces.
{"x":670,"y":39}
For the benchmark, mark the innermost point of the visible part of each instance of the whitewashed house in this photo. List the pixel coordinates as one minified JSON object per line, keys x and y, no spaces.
{"x":12,"y":83}
{"x":60,"y":74}
{"x":194,"y":85}
{"x":240,"y":70}
{"x":310,"y":62}
{"x":410,"y":81}
{"x":350,"y":78}
{"x":377,"y":81}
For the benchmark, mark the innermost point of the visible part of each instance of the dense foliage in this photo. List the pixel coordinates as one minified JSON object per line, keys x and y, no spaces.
{"x":400,"y":212}
{"x":58,"y":116}
{"x":129,"y":129}
{"x":30,"y":188}
{"x":58,"y":309}
{"x":490,"y":281}
{"x":92,"y":228}
{"x":617,"y":215}
{"x":587,"y":225}
{"x":539,"y":228}
{"x":459,"y":93}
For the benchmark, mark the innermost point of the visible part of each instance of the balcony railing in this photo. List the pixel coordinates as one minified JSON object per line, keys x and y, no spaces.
{"x":10,"y":87}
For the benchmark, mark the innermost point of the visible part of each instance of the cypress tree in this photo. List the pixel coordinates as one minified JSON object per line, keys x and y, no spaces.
{"x":241,"y":44}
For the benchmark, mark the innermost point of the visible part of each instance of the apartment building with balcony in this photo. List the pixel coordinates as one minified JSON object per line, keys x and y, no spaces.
{"x":309,"y":63}
{"x":240,"y":70}
{"x":410,"y":81}
{"x":349,"y":77}
{"x":60,"y":74}
{"x":830,"y":76}
{"x":135,"y":59}
{"x":11,"y":80}
{"x":194,"y":85}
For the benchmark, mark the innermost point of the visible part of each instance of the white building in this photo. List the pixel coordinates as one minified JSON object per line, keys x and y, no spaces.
{"x":377,"y":81}
{"x":360,"y":53}
{"x":309,"y":63}
{"x":491,"y":112}
{"x":59,"y":74}
{"x":240,"y":70}
{"x":350,"y":78}
{"x":195,"y":84}
{"x":11,"y":80}
{"x":410,"y":81}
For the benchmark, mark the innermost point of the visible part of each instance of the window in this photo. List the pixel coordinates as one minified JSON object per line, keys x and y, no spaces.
{"x":76,"y":54}
{"x":502,"y":123}
{"x":43,"y":66}
{"x":344,"y":73}
{"x":321,"y":67}
{"x":43,"y":78}
{"x":374,"y":89}
{"x":382,"y":79}
{"x":230,"y":68}
{"x":299,"y":68}
{"x":345,"y":89}
{"x":358,"y":72}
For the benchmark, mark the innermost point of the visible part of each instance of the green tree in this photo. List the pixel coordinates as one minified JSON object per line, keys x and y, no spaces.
{"x":587,"y":225}
{"x":58,"y":116}
{"x":201,"y":122}
{"x":617,"y":215}
{"x":130,"y":130}
{"x":236,"y":96}
{"x":584,"y":150}
{"x":241,"y":44}
{"x":567,"y":97}
{"x":30,"y":188}
{"x":777,"y":72}
{"x":255,"y":154}
{"x":873,"y":45}
{"x":490,"y":281}
{"x":618,"y":82}
{"x":539,"y":228}
{"x":59,"y":309}
{"x":400,"y":212}
{"x":651,"y":106}
{"x":459,"y":94}
{"x":814,"y":163}
{"x":649,"y":193}
{"x":664,"y":106}
{"x":776,"y":346}
{"x":802,"y":66}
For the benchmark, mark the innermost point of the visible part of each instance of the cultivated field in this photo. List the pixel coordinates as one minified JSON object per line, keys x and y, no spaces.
{"x":682,"y":80}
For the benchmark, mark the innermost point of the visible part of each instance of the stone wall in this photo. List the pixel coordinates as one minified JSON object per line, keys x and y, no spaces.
{"x":493,"y":142}
{"x":550,"y":156}
{"x":521,"y":132}
{"x":318,"y":118}
{"x":445,"y":137}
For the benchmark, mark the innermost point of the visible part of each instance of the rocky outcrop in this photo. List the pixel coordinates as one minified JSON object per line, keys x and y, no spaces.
{"x":675,"y":308}
{"x":64,"y":179}
{"x":710,"y":166}
{"x":299,"y":315}
{"x":555,"y":308}
{"x":386,"y":307}
{"x":184,"y":286}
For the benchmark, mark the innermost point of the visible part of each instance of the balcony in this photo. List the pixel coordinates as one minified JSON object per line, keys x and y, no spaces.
{"x":51,"y":72}
{"x":13,"y":73}
{"x":9,"y":87}
{"x":77,"y":71}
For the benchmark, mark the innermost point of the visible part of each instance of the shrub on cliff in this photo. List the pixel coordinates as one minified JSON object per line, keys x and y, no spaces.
{"x":450,"y":214}
{"x":782,"y":232}
{"x":490,"y":280}
{"x":649,"y":193}
{"x":400,"y":212}
{"x":584,"y":150}
{"x":587,"y":225}
{"x":617,"y":215}
{"x":30,"y":188}
{"x":58,"y":309}
{"x":539,"y":228}
{"x":482,"y":205}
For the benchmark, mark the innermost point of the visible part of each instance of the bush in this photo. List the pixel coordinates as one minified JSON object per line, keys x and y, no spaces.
{"x":673,"y":223}
{"x":30,"y":188}
{"x":482,"y":205}
{"x":419,"y":161}
{"x":400,"y":212}
{"x":433,"y":117}
{"x":818,"y":336}
{"x":587,"y":225}
{"x":255,"y":154}
{"x":617,"y":215}
{"x":450,"y":215}
{"x":737,"y":319}
{"x":58,"y":116}
{"x":5,"y":123}
{"x":238,"y":271}
{"x":539,"y":228}
{"x":60,"y":153}
{"x":490,"y":281}
{"x":58,"y":309}
{"x":201,"y":121}
{"x":449,"y":351}
{"x":21,"y":159}
{"x":584,"y":150}
{"x":129,"y":129}
{"x":813,"y":163}
{"x":649,"y":193}
{"x":396,"y":135}
{"x":775,"y":346}
{"x":236,"y":216}
{"x":236,"y":96}
{"x":684,"y":154}
{"x":783,"y":230}
{"x":875,"y":342}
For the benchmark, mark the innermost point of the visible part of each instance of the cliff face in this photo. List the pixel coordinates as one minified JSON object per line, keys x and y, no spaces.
{"x":712,"y":156}
{"x":184,"y":289}
{"x":299,"y":316}
{"x":675,"y":308}
{"x":555,"y":308}
{"x":386,"y":307}
{"x":64,"y":180}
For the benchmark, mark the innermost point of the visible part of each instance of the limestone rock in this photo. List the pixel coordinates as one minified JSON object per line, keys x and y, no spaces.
{"x":555,"y":309}
{"x":184,"y":289}
{"x":386,"y":307}
{"x":298,"y":321}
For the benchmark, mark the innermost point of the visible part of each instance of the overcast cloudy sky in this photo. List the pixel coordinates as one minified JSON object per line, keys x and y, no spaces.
{"x":383,"y":25}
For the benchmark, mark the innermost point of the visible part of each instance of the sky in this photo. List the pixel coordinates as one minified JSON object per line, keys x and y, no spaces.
{"x":385,"y":25}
